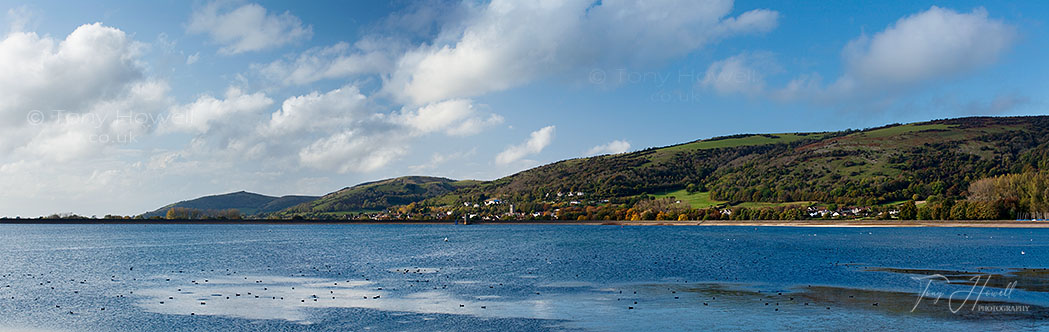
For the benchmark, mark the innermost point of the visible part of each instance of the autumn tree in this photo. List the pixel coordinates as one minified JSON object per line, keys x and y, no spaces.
{"x":909,"y":211}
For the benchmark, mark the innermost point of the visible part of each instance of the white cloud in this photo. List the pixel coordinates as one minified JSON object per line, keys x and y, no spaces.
{"x":207,"y":111}
{"x":71,"y":98}
{"x":313,"y":111}
{"x":121,"y":120}
{"x":247,"y":28}
{"x":758,"y":20}
{"x":536,"y":142}
{"x":341,"y":131}
{"x":193,"y":58}
{"x":474,"y":125}
{"x":93,"y":63}
{"x":744,"y":73}
{"x":352,"y":151}
{"x":123,"y":182}
{"x":613,"y":147}
{"x":457,"y":117}
{"x":96,"y":76}
{"x":18,"y":18}
{"x":336,"y":61}
{"x":933,"y":44}
{"x":508,"y":43}
{"x":929,"y":46}
{"x":44,"y":187}
{"x":490,"y":47}
{"x":71,"y":112}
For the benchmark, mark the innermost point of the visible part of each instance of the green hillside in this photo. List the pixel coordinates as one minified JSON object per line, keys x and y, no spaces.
{"x":894,"y":163}
{"x":285,"y":202}
{"x":694,"y":199}
{"x":245,"y":202}
{"x":376,"y":196}
{"x":784,"y":175}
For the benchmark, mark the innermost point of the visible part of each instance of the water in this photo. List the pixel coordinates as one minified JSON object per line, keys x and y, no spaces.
{"x":526,"y":277}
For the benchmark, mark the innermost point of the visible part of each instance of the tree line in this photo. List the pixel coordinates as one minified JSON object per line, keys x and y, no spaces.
{"x":191,"y":213}
{"x":1025,"y":195}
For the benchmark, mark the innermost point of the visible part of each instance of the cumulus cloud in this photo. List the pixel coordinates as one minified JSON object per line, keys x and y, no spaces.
{"x":759,"y":20}
{"x":536,"y":142}
{"x":99,"y":87}
{"x":933,"y":44}
{"x":929,"y":46}
{"x":352,"y":151}
{"x":306,"y":130}
{"x":313,"y":111}
{"x":18,"y":18}
{"x":207,"y":111}
{"x":488,"y":47}
{"x":456,"y":117}
{"x":744,"y":74}
{"x":121,"y":120}
{"x":341,"y":131}
{"x":93,"y":63}
{"x":613,"y":147}
{"x":64,"y":99}
{"x":376,"y":53}
{"x":509,"y":43}
{"x":336,"y":61}
{"x":247,"y":28}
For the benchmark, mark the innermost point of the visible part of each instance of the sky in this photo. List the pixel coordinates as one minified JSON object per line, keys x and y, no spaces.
{"x":120,"y":107}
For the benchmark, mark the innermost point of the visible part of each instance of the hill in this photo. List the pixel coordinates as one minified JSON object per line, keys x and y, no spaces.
{"x":877,"y":166}
{"x":245,"y":202}
{"x":375,"y":196}
{"x":769,"y":176}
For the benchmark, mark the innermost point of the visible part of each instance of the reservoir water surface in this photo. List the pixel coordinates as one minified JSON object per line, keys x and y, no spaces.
{"x":519,"y":277}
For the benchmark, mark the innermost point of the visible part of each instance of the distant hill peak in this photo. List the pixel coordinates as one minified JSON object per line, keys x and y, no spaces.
{"x":377,"y":195}
{"x":247,"y":203}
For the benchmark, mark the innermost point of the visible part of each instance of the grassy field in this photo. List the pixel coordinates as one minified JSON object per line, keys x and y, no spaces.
{"x":702,"y":200}
{"x":695,"y":200}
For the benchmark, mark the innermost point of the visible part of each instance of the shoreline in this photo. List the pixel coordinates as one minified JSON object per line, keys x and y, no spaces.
{"x":743,"y":223}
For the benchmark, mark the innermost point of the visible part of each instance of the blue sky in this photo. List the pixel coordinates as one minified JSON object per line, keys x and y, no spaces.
{"x":123,"y":106}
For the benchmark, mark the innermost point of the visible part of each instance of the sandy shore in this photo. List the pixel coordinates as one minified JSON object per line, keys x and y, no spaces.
{"x":755,"y":223}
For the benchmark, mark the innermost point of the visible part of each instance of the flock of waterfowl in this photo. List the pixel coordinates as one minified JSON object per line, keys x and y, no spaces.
{"x":68,"y":290}
{"x":64,"y":294}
